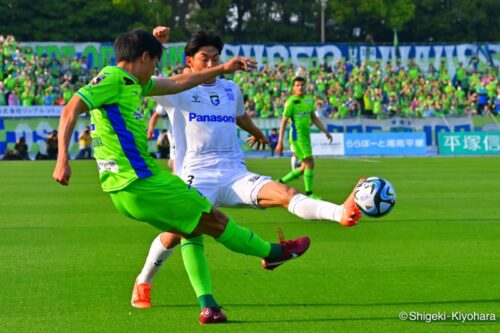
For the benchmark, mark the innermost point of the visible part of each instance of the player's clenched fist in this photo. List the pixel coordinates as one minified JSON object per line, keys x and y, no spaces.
{"x":62,"y":173}
{"x":161,"y":33}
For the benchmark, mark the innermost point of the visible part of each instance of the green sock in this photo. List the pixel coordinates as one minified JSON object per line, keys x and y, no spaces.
{"x":242,"y":240}
{"x":295,"y":173}
{"x":196,"y":264}
{"x":207,"y":301}
{"x":308,"y":180}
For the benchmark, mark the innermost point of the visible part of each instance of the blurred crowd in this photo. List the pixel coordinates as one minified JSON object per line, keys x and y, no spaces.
{"x":343,"y":90}
{"x":28,"y":79}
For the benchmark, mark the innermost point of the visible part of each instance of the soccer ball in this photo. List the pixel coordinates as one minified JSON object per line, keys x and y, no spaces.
{"x":375,"y":197}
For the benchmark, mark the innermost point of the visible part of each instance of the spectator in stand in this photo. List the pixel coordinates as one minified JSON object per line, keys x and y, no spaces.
{"x":21,"y":149}
{"x":482,"y":97}
{"x":30,"y":76}
{"x":85,"y":145}
{"x":3,"y":94}
{"x":13,"y":98}
{"x":48,"y":99}
{"x":273,"y":140}
{"x":52,"y":145}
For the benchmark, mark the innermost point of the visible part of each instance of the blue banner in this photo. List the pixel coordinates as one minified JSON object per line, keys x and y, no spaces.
{"x":384,"y":144}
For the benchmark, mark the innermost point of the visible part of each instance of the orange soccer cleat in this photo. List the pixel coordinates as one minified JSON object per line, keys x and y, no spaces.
{"x":351,"y":214}
{"x":141,"y":296}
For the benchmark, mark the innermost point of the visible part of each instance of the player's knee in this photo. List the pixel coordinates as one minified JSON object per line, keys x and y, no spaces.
{"x":290,"y":193}
{"x":309,"y":163}
{"x":169,"y":240}
{"x":213,"y":223}
{"x":220,"y":216}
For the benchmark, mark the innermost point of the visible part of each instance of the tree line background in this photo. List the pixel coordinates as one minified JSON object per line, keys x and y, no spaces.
{"x":256,"y":21}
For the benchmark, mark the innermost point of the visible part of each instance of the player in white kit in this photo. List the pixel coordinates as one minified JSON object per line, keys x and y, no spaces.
{"x":208,"y":156}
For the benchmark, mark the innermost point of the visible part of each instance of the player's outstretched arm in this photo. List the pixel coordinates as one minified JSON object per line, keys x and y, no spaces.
{"x":67,"y":121}
{"x":185,"y":81}
{"x":279,"y":146}
{"x":316,"y":121}
{"x":246,"y":123}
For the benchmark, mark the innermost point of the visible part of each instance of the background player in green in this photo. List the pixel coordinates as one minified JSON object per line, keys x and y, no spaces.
{"x":299,"y":111}
{"x":138,"y":187}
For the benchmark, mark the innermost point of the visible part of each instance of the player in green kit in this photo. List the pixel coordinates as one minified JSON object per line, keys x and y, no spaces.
{"x":299,"y":111}
{"x":138,"y":187}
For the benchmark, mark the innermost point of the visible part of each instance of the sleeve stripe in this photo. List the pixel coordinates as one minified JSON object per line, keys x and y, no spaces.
{"x":86,"y":100}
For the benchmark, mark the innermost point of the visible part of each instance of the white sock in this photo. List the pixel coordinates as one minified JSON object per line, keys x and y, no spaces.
{"x":310,"y":209}
{"x":157,"y":255}
{"x":293,"y":160}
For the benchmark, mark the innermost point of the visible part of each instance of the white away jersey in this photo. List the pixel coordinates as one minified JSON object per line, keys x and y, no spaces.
{"x":203,"y":121}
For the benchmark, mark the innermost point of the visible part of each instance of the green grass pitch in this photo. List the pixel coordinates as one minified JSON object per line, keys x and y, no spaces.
{"x":68,"y":259}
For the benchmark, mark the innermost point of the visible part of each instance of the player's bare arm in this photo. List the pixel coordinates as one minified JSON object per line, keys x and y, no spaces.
{"x":316,"y":121}
{"x":152,"y":123}
{"x":258,"y":138}
{"x":69,"y":115}
{"x":185,"y":81}
{"x":279,"y":146}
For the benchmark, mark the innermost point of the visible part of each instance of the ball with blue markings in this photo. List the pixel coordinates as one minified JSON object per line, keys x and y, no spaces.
{"x":375,"y":197}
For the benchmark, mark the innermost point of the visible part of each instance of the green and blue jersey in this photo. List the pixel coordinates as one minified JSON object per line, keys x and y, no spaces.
{"x":118,"y":129}
{"x":300,"y":111}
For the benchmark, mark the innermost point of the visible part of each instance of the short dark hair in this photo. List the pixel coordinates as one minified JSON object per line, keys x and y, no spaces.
{"x":131,"y":45}
{"x":299,"y":79}
{"x":201,"y":38}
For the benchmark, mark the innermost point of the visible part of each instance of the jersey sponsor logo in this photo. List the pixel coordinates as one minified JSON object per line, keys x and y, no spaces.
{"x":211,"y":118}
{"x":195,"y":98}
{"x":229,"y":93}
{"x":253,"y":179}
{"x":98,"y":79}
{"x":303,"y":114}
{"x":110,"y":166}
{"x":215,"y":100}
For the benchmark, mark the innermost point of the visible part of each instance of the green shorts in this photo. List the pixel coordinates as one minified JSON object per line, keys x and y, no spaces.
{"x":302,"y":149}
{"x":164,"y":201}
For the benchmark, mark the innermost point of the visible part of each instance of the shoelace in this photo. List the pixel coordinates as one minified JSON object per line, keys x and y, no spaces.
{"x":281,"y":237}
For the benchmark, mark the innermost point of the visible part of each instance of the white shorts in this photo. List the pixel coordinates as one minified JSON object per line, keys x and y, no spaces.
{"x":227,"y":187}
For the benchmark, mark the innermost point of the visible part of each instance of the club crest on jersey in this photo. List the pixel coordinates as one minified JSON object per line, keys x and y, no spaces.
{"x":98,"y":79}
{"x":230,"y":94}
{"x":214,"y":99}
{"x":138,"y":114}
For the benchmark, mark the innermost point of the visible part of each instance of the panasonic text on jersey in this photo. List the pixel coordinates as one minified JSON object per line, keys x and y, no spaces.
{"x":211,"y":118}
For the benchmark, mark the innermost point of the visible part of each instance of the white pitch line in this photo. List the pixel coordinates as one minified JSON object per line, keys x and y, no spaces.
{"x":363,"y":160}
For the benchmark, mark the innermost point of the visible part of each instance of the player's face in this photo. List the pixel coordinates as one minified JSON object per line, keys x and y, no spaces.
{"x":298,"y":88}
{"x":206,"y":57}
{"x":148,"y":67}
